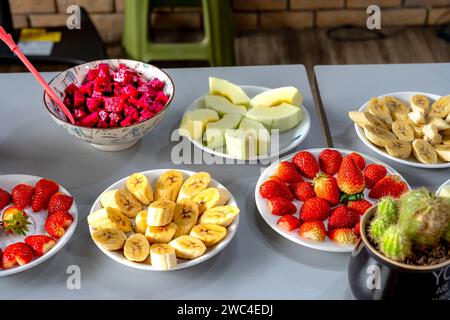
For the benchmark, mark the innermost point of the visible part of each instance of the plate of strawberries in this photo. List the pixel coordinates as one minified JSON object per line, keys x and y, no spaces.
{"x":316,"y":197}
{"x":37,"y":218}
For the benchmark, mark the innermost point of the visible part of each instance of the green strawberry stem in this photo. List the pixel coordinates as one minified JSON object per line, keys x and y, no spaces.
{"x":344,"y":197}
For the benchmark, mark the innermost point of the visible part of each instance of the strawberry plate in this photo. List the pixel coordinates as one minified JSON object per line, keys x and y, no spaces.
{"x":152,"y":176}
{"x":271,"y":219}
{"x":36,"y":226}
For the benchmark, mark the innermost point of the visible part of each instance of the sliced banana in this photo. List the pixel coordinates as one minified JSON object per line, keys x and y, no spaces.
{"x":418,"y":134}
{"x":210,"y":198}
{"x":420,"y":103}
{"x":187,"y":247}
{"x":440,"y":108}
{"x":194,"y":185}
{"x":140,"y":222}
{"x":162,"y":256}
{"x":122,"y":200}
{"x":363,"y":119}
{"x":399,"y":149}
{"x":378,"y":136}
{"x":161,"y":234}
{"x":110,"y":239}
{"x":378,"y":109}
{"x":136,"y":248}
{"x":446,"y":140}
{"x":439,"y":123}
{"x":139,"y":186}
{"x":431,"y":134}
{"x":424,"y":152}
{"x":109,"y":218}
{"x":185,"y":216}
{"x":417,"y":117}
{"x":168,"y":185}
{"x":160,"y":213}
{"x":209,"y":234}
{"x":443,"y":151}
{"x":403,"y":130}
{"x":399,"y":110}
{"x":222,"y":216}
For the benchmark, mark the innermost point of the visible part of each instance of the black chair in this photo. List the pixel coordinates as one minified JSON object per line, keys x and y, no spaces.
{"x":77,"y":46}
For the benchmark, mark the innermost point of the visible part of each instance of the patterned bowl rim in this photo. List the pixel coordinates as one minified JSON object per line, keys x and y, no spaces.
{"x":108,"y":61}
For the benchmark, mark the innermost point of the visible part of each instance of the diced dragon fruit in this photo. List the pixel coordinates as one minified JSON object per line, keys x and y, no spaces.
{"x":128,"y":121}
{"x":115,"y":117}
{"x":161,"y":98}
{"x":132,"y":112}
{"x":79,"y":113}
{"x":148,"y":90}
{"x":130,"y":91}
{"x":103,"y":70}
{"x":78,"y":99}
{"x":145,"y":115}
{"x":156,"y":107}
{"x":90,"y":120}
{"x":92,"y":74}
{"x":71,"y":88}
{"x":93,"y":103}
{"x":113,"y":104}
{"x":87,"y":89}
{"x":157,"y":84}
{"x":144,"y":102}
{"x":103,"y":115}
{"x":102,"y":124}
{"x":68,"y":102}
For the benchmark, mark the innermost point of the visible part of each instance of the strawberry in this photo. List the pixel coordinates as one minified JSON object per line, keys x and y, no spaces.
{"x":15,"y":221}
{"x":22,"y":195}
{"x":359,"y":206}
{"x":16,"y":253}
{"x":57,"y":223}
{"x":359,"y":160}
{"x":342,"y":235}
{"x":357,"y":229}
{"x":330,"y":161}
{"x":287,"y":172}
{"x":306,"y":164}
{"x":59,"y":202}
{"x":40,"y":243}
{"x":388,"y":186}
{"x":374,"y":172}
{"x":5,"y":198}
{"x":281,"y":206}
{"x":326,"y":188}
{"x":43,"y":190}
{"x":315,"y":209}
{"x":302,"y":190}
{"x":350,"y":178}
{"x":272,"y":189}
{"x":342,"y":217}
{"x":313,"y":230}
{"x":288,"y":223}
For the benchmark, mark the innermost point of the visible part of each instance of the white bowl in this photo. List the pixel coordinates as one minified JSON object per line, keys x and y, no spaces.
{"x":152,"y":176}
{"x":107,"y":139}
{"x":446,"y":183}
{"x":411,"y":161}
{"x":8,"y":182}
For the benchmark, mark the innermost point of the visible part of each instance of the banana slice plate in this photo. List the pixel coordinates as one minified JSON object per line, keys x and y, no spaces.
{"x":416,"y":117}
{"x":141,"y":248}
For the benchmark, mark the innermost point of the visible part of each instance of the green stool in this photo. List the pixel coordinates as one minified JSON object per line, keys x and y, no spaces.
{"x":217,"y":47}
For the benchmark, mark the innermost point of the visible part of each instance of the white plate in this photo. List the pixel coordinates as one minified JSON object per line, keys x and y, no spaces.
{"x":37,"y":219}
{"x":446,"y":183}
{"x":152,"y":176}
{"x":288,"y":139}
{"x":271,"y":220}
{"x":411,"y":161}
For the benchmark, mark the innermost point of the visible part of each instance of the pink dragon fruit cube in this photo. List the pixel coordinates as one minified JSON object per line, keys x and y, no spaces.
{"x":144,"y":102}
{"x":102,"y":124}
{"x":103,"y":70}
{"x":130,"y":91}
{"x":79,"y":113}
{"x":90,"y":120}
{"x":68,"y":102}
{"x":161,"y":98}
{"x":71,"y":88}
{"x":113,"y":104}
{"x":128,"y":121}
{"x":87,"y":89}
{"x":93,"y":103}
{"x":157,"y":84}
{"x":145,"y":115}
{"x":156,"y":107}
{"x":103,"y":115}
{"x":78,"y":99}
{"x":92,"y":74}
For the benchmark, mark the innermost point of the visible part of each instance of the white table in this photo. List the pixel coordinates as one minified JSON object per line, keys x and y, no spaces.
{"x":348,"y":87}
{"x":257,"y":264}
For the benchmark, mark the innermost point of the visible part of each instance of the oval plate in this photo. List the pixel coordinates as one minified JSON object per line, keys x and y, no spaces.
{"x":446,"y":183}
{"x":152,"y":176}
{"x":288,"y":139}
{"x":411,"y":161}
{"x":271,"y":220}
{"x":8,"y":182}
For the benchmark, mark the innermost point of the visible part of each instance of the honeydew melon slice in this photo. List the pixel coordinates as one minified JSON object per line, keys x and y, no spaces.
{"x":223,"y":106}
{"x":277,"y":96}
{"x":194,"y":122}
{"x":282,"y":117}
{"x":215,"y":131}
{"x":240,"y":145}
{"x":257,"y":130}
{"x":229,"y":90}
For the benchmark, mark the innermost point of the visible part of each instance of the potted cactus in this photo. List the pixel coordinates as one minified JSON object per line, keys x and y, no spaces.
{"x":404,"y":251}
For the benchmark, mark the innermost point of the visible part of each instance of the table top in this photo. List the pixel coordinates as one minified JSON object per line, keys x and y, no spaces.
{"x":257,"y":264}
{"x":347,"y":87}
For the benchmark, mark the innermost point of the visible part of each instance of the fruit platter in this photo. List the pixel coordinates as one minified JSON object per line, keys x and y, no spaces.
{"x":412,"y":128}
{"x":316,"y":197}
{"x":237,"y":122}
{"x":162,"y":220}
{"x":38,"y":217}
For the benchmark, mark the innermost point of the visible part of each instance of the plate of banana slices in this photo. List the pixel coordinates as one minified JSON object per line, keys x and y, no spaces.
{"x":412,"y":128}
{"x":162,"y":220}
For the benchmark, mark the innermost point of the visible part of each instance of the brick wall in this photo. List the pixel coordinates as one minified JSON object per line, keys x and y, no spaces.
{"x":248,"y":14}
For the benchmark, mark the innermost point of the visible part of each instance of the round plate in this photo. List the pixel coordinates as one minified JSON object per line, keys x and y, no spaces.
{"x":152,"y":176}
{"x":446,"y":183}
{"x":8,"y":182}
{"x":288,"y":139}
{"x":271,"y":220}
{"x":411,"y":161}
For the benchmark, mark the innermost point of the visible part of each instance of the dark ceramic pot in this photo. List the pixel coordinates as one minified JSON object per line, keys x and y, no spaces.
{"x":372,"y":276}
